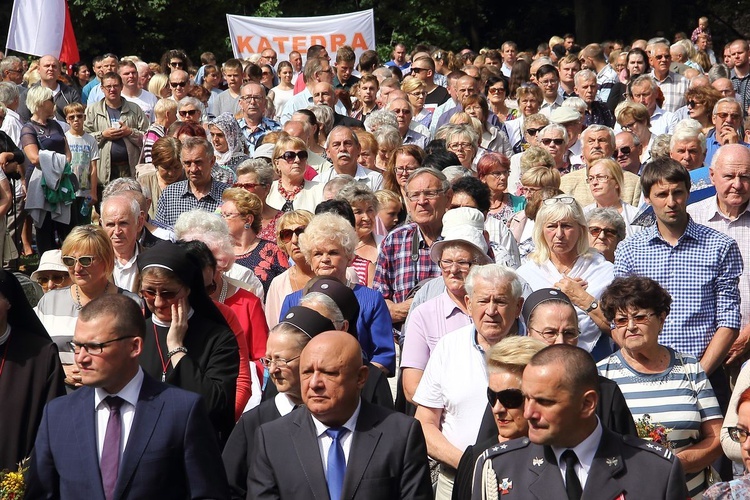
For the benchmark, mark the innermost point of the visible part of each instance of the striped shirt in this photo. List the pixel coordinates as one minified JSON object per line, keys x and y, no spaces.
{"x":680,"y":398}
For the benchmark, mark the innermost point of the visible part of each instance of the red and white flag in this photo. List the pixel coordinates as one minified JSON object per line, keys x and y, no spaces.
{"x":42,"y":27}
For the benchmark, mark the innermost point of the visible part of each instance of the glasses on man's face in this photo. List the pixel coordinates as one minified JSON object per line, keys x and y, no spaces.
{"x":565,"y":200}
{"x":174,"y":85}
{"x":660,"y":57}
{"x":110,"y":87}
{"x":428,"y":194}
{"x":417,"y":70}
{"x":290,"y":156}
{"x":94,"y":348}
{"x":56,"y":279}
{"x":595,"y":231}
{"x":447,"y":265}
{"x":509,"y":398}
{"x":150,"y":294}
{"x":737,"y":434}
{"x":724,"y":116}
{"x":279,"y":362}
{"x":248,"y":98}
{"x":625,"y":151}
{"x":547,"y":141}
{"x":596,"y":178}
{"x":188,"y":112}
{"x":551,"y":335}
{"x":533,"y":131}
{"x":638,"y":319}
{"x":285,"y":235}
{"x":84,"y":260}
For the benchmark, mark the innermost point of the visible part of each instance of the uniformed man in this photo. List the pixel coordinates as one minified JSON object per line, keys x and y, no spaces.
{"x":568,"y":453}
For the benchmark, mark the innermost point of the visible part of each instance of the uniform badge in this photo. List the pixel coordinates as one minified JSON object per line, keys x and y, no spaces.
{"x":537,"y":462}
{"x":612,"y":462}
{"x":505,"y":486}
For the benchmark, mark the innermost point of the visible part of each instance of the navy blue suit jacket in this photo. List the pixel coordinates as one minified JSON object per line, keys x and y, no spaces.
{"x":171,"y":451}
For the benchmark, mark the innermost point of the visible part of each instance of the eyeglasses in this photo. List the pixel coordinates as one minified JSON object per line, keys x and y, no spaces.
{"x":638,"y":319}
{"x":548,"y":82}
{"x":55,"y":280}
{"x":265,"y":73}
{"x":167,"y":295}
{"x":417,"y":70}
{"x":248,"y":185}
{"x":94,"y":348}
{"x":551,"y":335}
{"x":429,"y":194}
{"x":496,"y":90}
{"x":174,"y":85}
{"x":110,"y":87}
{"x":177,"y":64}
{"x":509,"y":398}
{"x":625,"y":150}
{"x":547,"y":141}
{"x":499,"y":173}
{"x":290,"y":156}
{"x":693,"y":104}
{"x":629,"y":126}
{"x":84,"y":260}
{"x":596,"y":178}
{"x":461,"y":146}
{"x":405,"y":170}
{"x":447,"y":265}
{"x":596,"y":231}
{"x":247,"y":98}
{"x":188,"y":112}
{"x":724,"y":116}
{"x":232,"y":215}
{"x":418,"y":94}
{"x":737,"y":435}
{"x":285,"y":235}
{"x":565,"y":200}
{"x":279,"y":362}
{"x":660,"y":57}
{"x":533,"y":131}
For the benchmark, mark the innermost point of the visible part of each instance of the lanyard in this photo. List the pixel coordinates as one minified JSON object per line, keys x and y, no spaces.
{"x":164,"y":364}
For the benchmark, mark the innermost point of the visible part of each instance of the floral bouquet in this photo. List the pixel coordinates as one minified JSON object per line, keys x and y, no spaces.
{"x":651,"y":431}
{"x":12,"y":485}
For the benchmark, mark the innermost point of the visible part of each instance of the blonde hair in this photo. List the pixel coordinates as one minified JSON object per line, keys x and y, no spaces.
{"x":247,"y":203}
{"x":613,"y":169}
{"x":541,"y":177}
{"x":556,"y":212}
{"x":328,"y":228}
{"x":294,"y":218}
{"x":157,"y":84}
{"x":513,"y":354}
{"x":91,"y":238}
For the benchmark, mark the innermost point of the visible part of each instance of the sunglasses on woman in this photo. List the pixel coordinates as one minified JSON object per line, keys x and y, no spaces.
{"x":547,"y":141}
{"x":289,"y":156}
{"x":285,"y":235}
{"x":167,"y":295}
{"x":509,"y":398}
{"x":84,"y":260}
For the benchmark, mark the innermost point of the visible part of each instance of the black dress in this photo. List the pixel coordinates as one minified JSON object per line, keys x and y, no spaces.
{"x":31,"y":376}
{"x":210,"y":367}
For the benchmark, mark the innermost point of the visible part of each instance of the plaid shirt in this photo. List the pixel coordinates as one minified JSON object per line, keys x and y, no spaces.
{"x":701,"y":273}
{"x":178,"y":198}
{"x":742,"y":87}
{"x":395,"y":273}
{"x":251,"y":137}
{"x":673,"y":87}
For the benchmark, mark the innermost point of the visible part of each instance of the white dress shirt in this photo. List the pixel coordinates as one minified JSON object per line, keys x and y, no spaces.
{"x":585,"y":451}
{"x":130,"y":394}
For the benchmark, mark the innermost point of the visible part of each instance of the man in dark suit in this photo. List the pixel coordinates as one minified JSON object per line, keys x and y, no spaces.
{"x":338,"y":447}
{"x":561,"y":387}
{"x":124,"y":435}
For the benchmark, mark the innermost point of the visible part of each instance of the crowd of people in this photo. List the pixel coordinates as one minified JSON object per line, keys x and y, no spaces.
{"x":449,"y":275}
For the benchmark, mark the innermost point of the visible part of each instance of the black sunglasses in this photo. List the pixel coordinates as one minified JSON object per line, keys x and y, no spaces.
{"x":509,"y":398}
{"x":177,"y":84}
{"x":547,"y":141}
{"x":625,"y":150}
{"x":533,"y":131}
{"x":289,"y":156}
{"x":285,"y":235}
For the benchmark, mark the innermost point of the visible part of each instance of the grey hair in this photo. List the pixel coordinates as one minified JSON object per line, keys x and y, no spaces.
{"x":198,"y":220}
{"x":324,"y":115}
{"x":539,"y":118}
{"x":340,"y":128}
{"x":643,"y":79}
{"x":135,"y":207}
{"x":444,"y":184}
{"x":583,"y":76}
{"x":386,"y":136}
{"x":122,"y":184}
{"x":259,"y":167}
{"x":335,"y":185}
{"x":610,"y":217}
{"x":660,"y":146}
{"x":380,"y":118}
{"x":455,"y":172}
{"x":190,"y":143}
{"x":688,"y":130}
{"x":220,"y":244}
{"x":356,"y":192}
{"x":7,"y":62}
{"x":599,"y":128}
{"x":718,"y":71}
{"x":554,"y":127}
{"x":328,"y":227}
{"x":187,"y":100}
{"x":576,"y":103}
{"x":317,"y":301}
{"x":723,"y":100}
{"x":636,"y":139}
{"x":8,"y":92}
{"x":494,"y":273}
{"x":463,"y":130}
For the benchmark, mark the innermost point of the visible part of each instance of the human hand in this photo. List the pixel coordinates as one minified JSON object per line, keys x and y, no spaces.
{"x":178,"y":327}
{"x":72,"y":375}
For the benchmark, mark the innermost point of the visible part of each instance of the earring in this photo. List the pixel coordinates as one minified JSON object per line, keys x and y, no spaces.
{"x":247,"y":226}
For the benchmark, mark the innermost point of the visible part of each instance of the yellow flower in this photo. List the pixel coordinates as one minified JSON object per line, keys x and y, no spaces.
{"x":13,"y":481}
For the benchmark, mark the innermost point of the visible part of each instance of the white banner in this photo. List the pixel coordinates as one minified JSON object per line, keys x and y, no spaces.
{"x":36,"y":27}
{"x":251,"y":35}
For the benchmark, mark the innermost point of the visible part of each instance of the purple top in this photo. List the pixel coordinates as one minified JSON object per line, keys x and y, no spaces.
{"x":428,"y":323}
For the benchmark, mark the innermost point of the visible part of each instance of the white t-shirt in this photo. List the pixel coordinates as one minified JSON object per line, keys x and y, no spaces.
{"x":146,"y":101}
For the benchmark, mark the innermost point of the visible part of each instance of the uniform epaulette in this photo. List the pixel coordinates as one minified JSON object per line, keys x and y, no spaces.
{"x":658,"y":449}
{"x":505,"y":447}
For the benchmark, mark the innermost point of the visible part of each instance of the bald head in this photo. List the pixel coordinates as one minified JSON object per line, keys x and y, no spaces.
{"x":397,"y":94}
{"x":332,"y":376}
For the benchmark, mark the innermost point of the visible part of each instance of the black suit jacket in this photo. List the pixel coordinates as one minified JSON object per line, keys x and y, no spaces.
{"x":623,"y":465}
{"x":387,"y":460}
{"x":171,"y":452}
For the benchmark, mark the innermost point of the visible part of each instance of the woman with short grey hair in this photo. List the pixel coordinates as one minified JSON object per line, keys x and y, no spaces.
{"x":606,"y":231}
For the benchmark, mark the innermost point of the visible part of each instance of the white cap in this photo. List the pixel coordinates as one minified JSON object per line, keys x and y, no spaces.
{"x":463,"y":224}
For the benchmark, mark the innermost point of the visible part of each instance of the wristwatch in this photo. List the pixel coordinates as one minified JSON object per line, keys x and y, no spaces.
{"x":594,"y":305}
